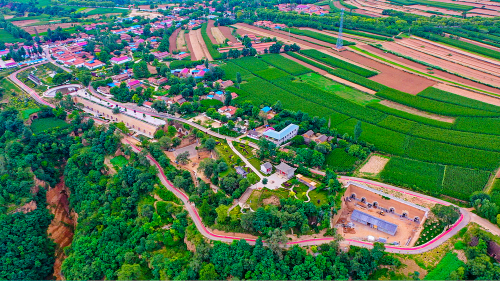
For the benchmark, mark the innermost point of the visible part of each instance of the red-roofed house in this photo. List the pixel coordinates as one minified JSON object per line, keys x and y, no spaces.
{"x":94,"y":65}
{"x":229,"y":111}
{"x":120,"y":60}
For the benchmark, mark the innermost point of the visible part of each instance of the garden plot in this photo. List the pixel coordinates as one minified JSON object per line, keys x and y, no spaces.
{"x":374,"y":165}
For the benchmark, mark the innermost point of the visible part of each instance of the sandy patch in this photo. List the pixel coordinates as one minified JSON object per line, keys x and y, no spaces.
{"x":273,"y":200}
{"x":45,"y":27}
{"x":149,"y":15}
{"x":469,"y":94}
{"x":218,"y":35}
{"x":414,"y":111}
{"x":180,"y":41}
{"x":8,"y":16}
{"x":374,"y":165}
{"x":24,"y":22}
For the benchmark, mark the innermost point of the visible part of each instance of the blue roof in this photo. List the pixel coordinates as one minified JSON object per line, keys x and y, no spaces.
{"x":281,"y":134}
{"x":266,"y":109}
{"x":210,"y":96}
{"x":112,"y":85}
{"x":219,"y":92}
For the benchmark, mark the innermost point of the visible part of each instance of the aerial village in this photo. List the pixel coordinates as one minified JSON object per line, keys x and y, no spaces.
{"x":232,"y":104}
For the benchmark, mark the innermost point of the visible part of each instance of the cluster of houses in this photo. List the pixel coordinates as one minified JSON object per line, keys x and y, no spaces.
{"x":31,"y":57}
{"x":269,"y":24}
{"x":310,"y":9}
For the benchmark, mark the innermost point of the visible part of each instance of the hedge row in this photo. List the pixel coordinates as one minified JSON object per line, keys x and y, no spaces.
{"x":444,"y":96}
{"x":466,"y":46}
{"x":338,"y":63}
{"x":433,"y":106}
{"x":285,"y":64}
{"x":319,"y":36}
{"x":212,"y":49}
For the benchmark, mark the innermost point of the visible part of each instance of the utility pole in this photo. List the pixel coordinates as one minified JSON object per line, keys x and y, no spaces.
{"x":339,"y":38}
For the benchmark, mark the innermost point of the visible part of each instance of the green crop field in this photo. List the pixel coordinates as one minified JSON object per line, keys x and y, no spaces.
{"x":449,"y":263}
{"x":230,"y":70}
{"x":101,"y":11}
{"x":478,"y":125}
{"x":328,"y":85}
{"x":467,"y":46}
{"x":119,"y":161}
{"x":340,"y":161}
{"x":44,"y":124}
{"x":447,"y":97}
{"x":415,"y":174}
{"x":285,"y":64}
{"x":461,"y":182}
{"x":272,"y":74}
{"x":430,"y":143}
{"x":8,"y":38}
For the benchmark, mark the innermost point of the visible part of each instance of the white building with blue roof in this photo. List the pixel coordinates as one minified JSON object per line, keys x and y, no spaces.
{"x":282,"y":136}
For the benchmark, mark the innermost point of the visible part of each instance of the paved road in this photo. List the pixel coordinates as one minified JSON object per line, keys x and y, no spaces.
{"x":31,"y":92}
{"x":462,"y":221}
{"x":244,"y":159}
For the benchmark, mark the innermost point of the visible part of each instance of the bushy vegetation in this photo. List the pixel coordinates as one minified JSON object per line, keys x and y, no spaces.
{"x":338,"y":63}
{"x":212,"y":49}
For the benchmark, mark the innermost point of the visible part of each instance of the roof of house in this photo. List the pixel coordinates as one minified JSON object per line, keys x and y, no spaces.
{"x":253,"y":133}
{"x":285,"y":167}
{"x":267,"y":165}
{"x":281,"y":134}
{"x":122,"y":58}
{"x":241,"y":171}
{"x":381,"y":224}
{"x":266,"y":109}
{"x":309,"y":133}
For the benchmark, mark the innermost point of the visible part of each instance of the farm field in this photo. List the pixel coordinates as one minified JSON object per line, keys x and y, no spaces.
{"x":340,"y":161}
{"x":7,"y":37}
{"x":209,"y":27}
{"x":423,"y":68}
{"x":474,"y":153}
{"x":102,"y":11}
{"x":226,"y":32}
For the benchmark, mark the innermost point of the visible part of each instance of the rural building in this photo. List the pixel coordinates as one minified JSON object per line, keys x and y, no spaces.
{"x":309,"y":183}
{"x":229,"y":111}
{"x":241,"y":171}
{"x":374,"y":222}
{"x":134,"y":121}
{"x":282,"y":136}
{"x":266,"y":168}
{"x":253,"y":135}
{"x":372,"y":198}
{"x":284,"y":170}
{"x":94,"y":64}
{"x":120,"y":60}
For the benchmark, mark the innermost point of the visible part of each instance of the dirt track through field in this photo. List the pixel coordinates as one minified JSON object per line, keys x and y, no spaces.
{"x":390,"y":76}
{"x":345,"y":35}
{"x":218,"y":35}
{"x":226,"y":31}
{"x":210,"y":25}
{"x":414,"y":111}
{"x":423,"y":68}
{"x":332,"y":77}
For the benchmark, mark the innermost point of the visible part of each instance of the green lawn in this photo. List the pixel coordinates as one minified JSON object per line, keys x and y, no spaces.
{"x":229,"y":156}
{"x":26,"y":113}
{"x":8,"y":38}
{"x":257,"y":196}
{"x":119,"y":161}
{"x":333,"y":87}
{"x":246,"y":151}
{"x":44,"y":124}
{"x":320,"y":195}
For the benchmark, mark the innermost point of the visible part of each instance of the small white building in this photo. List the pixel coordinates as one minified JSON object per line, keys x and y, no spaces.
{"x":266,"y":168}
{"x":282,"y":136}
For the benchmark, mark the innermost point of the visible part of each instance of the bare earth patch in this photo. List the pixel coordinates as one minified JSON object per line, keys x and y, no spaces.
{"x":181,"y":41}
{"x":273,"y":200}
{"x":469,"y":94}
{"x":375,"y":165}
{"x":414,"y":111}
{"x":218,"y":35}
{"x":24,"y":22}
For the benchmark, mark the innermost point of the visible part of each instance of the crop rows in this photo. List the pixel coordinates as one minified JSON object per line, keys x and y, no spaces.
{"x":272,"y":74}
{"x":444,"y":96}
{"x":251,"y":64}
{"x":462,"y":182}
{"x":451,"y":6}
{"x":368,"y":35}
{"x":230,"y":70}
{"x":414,"y":174}
{"x":466,"y":46}
{"x":285,"y":64}
{"x":478,"y":125}
{"x":338,"y":63}
{"x":436,"y":179}
{"x":433,"y":106}
{"x":319,"y":36}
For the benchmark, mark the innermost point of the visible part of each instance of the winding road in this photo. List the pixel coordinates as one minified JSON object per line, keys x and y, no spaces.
{"x":465,"y":215}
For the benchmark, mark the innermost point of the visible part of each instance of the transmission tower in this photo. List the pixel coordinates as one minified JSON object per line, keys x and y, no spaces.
{"x":339,"y":39}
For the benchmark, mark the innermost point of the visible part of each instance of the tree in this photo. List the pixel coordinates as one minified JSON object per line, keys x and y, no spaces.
{"x":171,"y":131}
{"x":278,"y":107}
{"x":294,"y":47}
{"x":447,"y":214}
{"x":264,"y":181}
{"x":238,"y":78}
{"x":183,"y":158}
{"x":84,"y":77}
{"x":208,"y":272}
{"x":227,"y":100}
{"x":357,"y":131}
{"x":277,"y":239}
{"x":116,"y":110}
{"x":116,"y":69}
{"x":210,"y":144}
{"x":253,"y":178}
{"x":486,"y":209}
{"x":141,"y":70}
{"x":159,"y":105}
{"x":130,"y":272}
{"x":275,"y":48}
{"x":165,"y":142}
